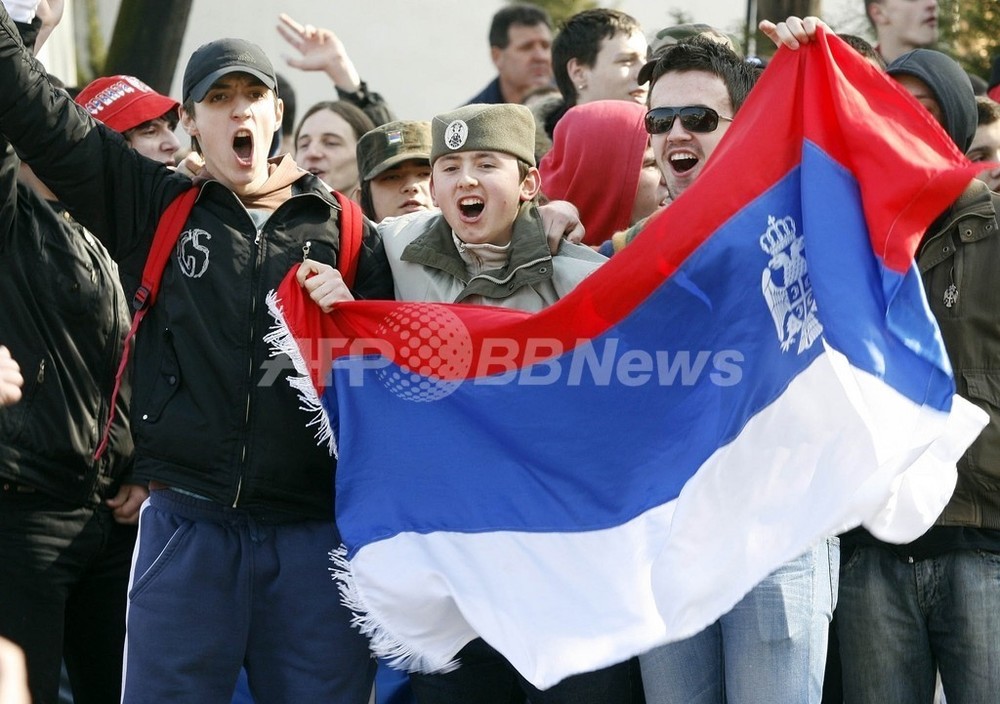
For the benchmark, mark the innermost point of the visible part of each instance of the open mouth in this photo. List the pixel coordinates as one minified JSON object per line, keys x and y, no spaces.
{"x":471,"y":208}
{"x":682,"y":163}
{"x":243,"y":146}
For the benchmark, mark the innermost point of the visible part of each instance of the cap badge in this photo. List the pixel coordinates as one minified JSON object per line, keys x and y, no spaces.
{"x":394,"y":137}
{"x":456,"y":134}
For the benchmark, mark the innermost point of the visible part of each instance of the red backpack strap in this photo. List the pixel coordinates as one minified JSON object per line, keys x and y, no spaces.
{"x":351,"y":232}
{"x":167,"y":231}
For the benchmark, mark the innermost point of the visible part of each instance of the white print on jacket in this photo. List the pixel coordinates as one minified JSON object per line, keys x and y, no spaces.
{"x":192,"y":255}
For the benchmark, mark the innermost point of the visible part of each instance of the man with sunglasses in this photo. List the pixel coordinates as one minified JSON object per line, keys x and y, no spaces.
{"x":695,"y":89}
{"x":696,"y":85}
{"x":771,"y":647}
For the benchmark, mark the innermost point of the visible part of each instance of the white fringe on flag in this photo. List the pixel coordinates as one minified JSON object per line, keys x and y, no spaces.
{"x":282,"y":342}
{"x":381,"y":642}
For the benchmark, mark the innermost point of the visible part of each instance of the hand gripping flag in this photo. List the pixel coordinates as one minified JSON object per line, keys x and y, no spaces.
{"x":756,"y":371}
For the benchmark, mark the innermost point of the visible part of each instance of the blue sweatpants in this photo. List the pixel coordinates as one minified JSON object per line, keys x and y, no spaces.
{"x":214,"y":590}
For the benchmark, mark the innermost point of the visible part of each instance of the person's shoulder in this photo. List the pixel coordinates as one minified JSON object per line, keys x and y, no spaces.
{"x":399,"y":231}
{"x":579,"y":252}
{"x":489,"y":95}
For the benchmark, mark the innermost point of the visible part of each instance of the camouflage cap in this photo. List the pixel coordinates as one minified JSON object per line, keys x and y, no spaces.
{"x":391,"y":144}
{"x":506,"y":127}
{"x":671,"y":36}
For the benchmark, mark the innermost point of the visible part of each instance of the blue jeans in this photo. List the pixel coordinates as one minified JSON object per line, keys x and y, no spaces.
{"x":214,"y":590}
{"x":900,"y":622}
{"x":771,"y":647}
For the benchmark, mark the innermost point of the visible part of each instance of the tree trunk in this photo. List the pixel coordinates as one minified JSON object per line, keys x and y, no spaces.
{"x":147,"y":40}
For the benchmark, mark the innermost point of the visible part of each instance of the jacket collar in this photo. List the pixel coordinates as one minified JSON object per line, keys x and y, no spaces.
{"x":529,"y":262}
{"x":972,"y":217}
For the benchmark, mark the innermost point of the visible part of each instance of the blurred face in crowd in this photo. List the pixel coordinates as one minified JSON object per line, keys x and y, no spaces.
{"x":326,"y":148}
{"x":526,"y":62}
{"x":615,"y":73}
{"x":922,"y":92}
{"x":652,"y":191}
{"x":234,"y":125}
{"x":156,"y":139}
{"x":986,"y":147}
{"x":404,"y":188}
{"x":681,"y":153}
{"x":479,"y":194}
{"x":902,"y":25}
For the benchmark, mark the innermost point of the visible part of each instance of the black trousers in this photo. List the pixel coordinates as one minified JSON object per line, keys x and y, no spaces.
{"x":485,"y":677}
{"x":64,"y":574}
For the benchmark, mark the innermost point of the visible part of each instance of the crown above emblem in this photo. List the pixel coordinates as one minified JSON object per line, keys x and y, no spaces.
{"x":779,"y":235}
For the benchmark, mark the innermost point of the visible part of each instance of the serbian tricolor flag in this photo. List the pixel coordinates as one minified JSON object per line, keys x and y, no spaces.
{"x":756,"y":371}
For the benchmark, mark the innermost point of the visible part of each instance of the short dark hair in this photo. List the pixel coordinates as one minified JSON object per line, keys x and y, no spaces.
{"x":863,"y":47}
{"x":580,"y":38}
{"x":353,"y":116}
{"x":170,"y":116}
{"x":703,"y":54}
{"x":527,"y":15}
{"x":287,"y":94}
{"x":987,"y":110}
{"x":366,"y":202}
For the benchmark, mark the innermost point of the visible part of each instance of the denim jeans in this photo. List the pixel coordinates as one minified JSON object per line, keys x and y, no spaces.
{"x":63,"y":578}
{"x":771,"y":647}
{"x":899,"y":622}
{"x":485,"y":677}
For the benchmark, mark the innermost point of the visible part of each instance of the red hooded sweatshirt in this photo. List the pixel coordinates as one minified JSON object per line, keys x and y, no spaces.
{"x":594,"y":163}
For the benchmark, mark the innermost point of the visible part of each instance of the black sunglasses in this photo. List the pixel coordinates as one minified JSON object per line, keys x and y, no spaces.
{"x":694,"y":118}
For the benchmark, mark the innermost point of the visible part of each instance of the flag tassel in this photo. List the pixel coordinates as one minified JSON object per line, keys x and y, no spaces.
{"x":282,"y":342}
{"x":382,"y":643}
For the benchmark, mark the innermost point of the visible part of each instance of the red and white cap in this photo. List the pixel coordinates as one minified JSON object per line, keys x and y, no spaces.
{"x":124,"y":102}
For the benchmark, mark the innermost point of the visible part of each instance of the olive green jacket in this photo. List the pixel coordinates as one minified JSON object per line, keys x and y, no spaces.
{"x":959,"y":260}
{"x":426,"y":264}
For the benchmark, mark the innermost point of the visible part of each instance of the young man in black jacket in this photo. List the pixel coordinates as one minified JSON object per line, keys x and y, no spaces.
{"x":231,"y":565}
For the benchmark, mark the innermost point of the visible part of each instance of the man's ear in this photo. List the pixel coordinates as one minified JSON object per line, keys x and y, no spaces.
{"x":188,"y":122}
{"x":577,"y":73}
{"x":495,"y":54}
{"x":531,"y":184}
{"x":279,"y":112}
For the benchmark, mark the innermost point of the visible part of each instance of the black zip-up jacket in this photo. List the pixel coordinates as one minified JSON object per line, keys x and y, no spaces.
{"x":63,"y":316}
{"x":208,"y":414}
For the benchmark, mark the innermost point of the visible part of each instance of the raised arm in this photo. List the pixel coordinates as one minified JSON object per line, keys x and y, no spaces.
{"x":112,"y":190}
{"x":322,"y":50}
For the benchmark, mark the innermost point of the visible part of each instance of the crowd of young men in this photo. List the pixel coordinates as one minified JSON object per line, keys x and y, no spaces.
{"x":240,"y":498}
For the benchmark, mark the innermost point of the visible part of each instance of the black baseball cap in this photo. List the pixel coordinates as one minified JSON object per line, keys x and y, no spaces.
{"x":212,"y":61}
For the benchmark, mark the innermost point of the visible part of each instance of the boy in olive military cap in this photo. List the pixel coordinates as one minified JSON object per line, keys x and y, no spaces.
{"x":487,"y":246}
{"x":483,"y":168}
{"x":394,"y":164}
